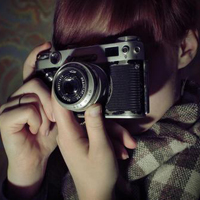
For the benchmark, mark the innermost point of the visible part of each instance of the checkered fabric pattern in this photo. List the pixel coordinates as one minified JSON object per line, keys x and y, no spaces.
{"x":166,"y":163}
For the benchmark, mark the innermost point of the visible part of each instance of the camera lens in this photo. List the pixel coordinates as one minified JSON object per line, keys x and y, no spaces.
{"x":72,"y":88}
{"x":70,"y":85}
{"x":78,"y":85}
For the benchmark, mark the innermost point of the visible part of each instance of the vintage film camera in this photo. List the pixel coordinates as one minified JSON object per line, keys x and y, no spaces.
{"x":113,"y":74}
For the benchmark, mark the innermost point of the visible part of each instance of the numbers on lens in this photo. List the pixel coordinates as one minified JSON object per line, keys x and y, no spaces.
{"x":72,"y":71}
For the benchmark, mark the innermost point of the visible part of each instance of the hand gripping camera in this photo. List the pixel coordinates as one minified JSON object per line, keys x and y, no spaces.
{"x":114,"y":75}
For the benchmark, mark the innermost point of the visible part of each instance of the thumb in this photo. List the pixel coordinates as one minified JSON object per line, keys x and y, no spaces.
{"x":68,"y":127}
{"x":95,"y":127}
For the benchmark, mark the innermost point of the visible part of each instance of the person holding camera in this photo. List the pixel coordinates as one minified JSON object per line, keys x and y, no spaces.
{"x":100,"y":160}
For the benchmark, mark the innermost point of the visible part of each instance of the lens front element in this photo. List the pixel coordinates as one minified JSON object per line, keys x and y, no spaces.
{"x":70,"y":85}
{"x":78,"y":85}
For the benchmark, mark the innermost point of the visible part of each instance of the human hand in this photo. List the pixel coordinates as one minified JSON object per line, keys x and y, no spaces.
{"x":27,"y":134}
{"x":89,"y":156}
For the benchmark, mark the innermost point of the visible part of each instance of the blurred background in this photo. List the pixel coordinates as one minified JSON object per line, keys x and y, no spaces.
{"x":24,"y":24}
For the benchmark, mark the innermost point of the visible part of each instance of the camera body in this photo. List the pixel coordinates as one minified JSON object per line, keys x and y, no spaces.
{"x":113,"y":74}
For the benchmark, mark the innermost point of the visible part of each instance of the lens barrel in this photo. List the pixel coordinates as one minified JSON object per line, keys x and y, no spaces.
{"x":70,"y":85}
{"x":78,"y":85}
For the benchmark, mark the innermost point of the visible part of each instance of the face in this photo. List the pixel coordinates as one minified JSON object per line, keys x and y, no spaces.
{"x":164,"y":86}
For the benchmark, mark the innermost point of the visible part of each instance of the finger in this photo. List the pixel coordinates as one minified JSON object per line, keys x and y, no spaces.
{"x":119,"y":133}
{"x":13,"y":121}
{"x":68,"y":128}
{"x":36,"y":86}
{"x":95,"y":127}
{"x":120,"y":150}
{"x":29,"y":65}
{"x":33,"y":99}
{"x":45,"y":126}
{"x":11,"y":104}
{"x":25,"y":100}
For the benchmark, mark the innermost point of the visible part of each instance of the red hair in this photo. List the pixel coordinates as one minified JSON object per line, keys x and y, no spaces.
{"x":85,"y":22}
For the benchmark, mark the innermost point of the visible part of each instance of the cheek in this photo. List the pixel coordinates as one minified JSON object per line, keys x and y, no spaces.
{"x":165,"y":97}
{"x":162,"y":66}
{"x":161,"y":101}
{"x":163,"y":83}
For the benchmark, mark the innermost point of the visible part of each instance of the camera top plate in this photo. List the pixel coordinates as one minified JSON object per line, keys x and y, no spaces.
{"x":122,"y":51}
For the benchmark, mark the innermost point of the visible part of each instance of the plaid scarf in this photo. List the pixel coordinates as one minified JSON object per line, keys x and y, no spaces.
{"x":166,"y":163}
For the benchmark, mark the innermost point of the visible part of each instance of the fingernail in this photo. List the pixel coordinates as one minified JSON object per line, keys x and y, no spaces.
{"x":125,"y":156}
{"x":133,"y":143}
{"x":53,"y":117}
{"x":95,"y":111}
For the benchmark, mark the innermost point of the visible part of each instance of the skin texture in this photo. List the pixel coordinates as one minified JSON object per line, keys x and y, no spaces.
{"x":31,"y":131}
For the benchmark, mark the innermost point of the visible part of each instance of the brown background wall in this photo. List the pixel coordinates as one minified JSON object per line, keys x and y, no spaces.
{"x":23,"y":25}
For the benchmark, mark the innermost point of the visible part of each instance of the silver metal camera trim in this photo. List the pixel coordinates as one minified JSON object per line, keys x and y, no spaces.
{"x":131,"y":41}
{"x":44,"y":63}
{"x":87,"y":97}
